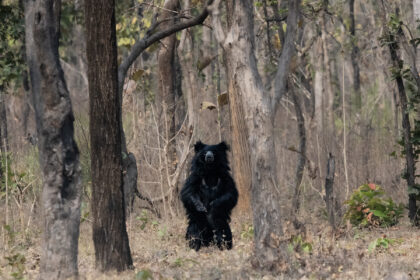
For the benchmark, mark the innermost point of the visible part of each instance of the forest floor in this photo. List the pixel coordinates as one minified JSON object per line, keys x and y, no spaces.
{"x":160,"y":252}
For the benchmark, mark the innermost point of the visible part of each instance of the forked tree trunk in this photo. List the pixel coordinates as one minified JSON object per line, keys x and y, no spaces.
{"x":59,"y":155}
{"x":110,"y":238}
{"x":256,"y":113}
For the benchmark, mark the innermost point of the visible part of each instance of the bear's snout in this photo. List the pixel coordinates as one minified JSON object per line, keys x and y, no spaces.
{"x":209,"y":158}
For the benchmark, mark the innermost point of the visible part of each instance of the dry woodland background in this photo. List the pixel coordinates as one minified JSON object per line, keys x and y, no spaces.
{"x":315,"y":98}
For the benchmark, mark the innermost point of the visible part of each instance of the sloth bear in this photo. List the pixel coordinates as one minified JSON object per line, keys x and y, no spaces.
{"x":209,"y":195}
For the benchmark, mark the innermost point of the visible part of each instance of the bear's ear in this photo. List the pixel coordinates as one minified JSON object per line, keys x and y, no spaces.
{"x":198,"y":146}
{"x":222,"y":145}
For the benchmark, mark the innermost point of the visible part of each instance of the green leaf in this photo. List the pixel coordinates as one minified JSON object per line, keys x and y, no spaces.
{"x":144,"y":274}
{"x":378,"y":213}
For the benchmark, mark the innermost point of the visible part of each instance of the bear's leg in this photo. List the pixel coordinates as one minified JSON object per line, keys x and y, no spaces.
{"x":193,"y":236}
{"x":197,"y":233}
{"x":228,"y":237}
{"x":207,"y":236}
{"x":223,"y":234}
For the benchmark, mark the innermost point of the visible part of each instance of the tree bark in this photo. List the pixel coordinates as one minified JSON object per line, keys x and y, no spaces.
{"x":329,"y":190}
{"x":302,"y":148}
{"x":3,"y":122}
{"x":408,"y":147}
{"x":327,"y":80}
{"x":397,"y":65}
{"x":255,"y":115}
{"x":241,"y":161}
{"x":165,"y":99}
{"x":207,"y":121}
{"x":110,"y":237}
{"x":2,"y":149}
{"x":59,"y":155}
{"x":354,"y":55}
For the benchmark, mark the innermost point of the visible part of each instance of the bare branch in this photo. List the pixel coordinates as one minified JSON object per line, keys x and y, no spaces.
{"x":276,"y":18}
{"x":152,"y":38}
{"x":217,"y":24}
{"x":286,"y":54}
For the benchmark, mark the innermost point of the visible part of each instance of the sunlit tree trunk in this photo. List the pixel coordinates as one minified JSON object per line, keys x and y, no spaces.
{"x":59,"y":155}
{"x":207,"y":126}
{"x":241,"y":161}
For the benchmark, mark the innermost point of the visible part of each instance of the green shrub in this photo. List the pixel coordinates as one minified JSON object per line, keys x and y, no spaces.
{"x":382,"y":243}
{"x":368,"y":207}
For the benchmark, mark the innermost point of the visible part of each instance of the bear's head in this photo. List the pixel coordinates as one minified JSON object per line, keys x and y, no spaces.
{"x":210,"y":158}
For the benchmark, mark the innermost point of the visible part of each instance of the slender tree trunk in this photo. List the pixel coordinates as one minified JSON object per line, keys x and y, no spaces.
{"x":165,"y":100}
{"x":408,"y":147}
{"x":2,"y":150}
{"x":3,"y":122}
{"x":267,"y":30}
{"x":110,"y":238}
{"x":354,"y":55}
{"x":327,"y":80}
{"x":59,"y":155}
{"x":330,"y":197}
{"x":302,"y":148}
{"x":397,"y":64}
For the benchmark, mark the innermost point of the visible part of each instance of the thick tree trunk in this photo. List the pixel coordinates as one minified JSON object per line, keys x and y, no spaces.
{"x":241,"y":159}
{"x":110,"y":238}
{"x":59,"y":155}
{"x":246,"y":90}
{"x":207,"y":122}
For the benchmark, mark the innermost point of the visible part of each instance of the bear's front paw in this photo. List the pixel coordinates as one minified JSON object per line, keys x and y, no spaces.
{"x":195,"y":244}
{"x":214,"y":204}
{"x":201,"y":208}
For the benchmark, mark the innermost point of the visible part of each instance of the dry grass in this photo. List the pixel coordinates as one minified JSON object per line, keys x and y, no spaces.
{"x":159,"y":249}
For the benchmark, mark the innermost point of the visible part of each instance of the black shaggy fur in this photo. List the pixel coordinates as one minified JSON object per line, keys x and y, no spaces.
{"x":209,"y":195}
